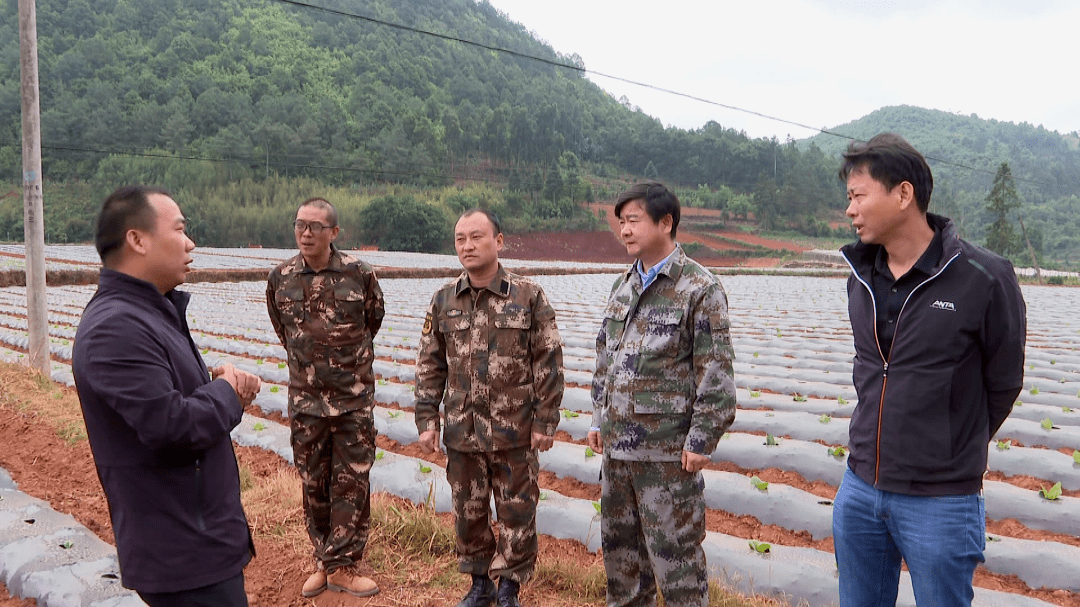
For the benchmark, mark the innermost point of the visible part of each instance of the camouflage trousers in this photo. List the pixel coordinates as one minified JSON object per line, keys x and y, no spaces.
{"x":334,"y":456}
{"x":651,"y":529}
{"x":511,"y":476}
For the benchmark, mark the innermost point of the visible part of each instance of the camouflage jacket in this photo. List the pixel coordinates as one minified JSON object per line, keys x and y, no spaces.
{"x":497,"y":354}
{"x":664,"y":380}
{"x":327,"y":321}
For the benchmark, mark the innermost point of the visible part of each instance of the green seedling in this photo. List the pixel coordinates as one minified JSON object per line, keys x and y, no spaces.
{"x":1066,"y":409}
{"x":759,"y":484}
{"x":1004,"y":445}
{"x":394,"y":414}
{"x":259,"y":361}
{"x":259,"y":427}
{"x":66,"y":342}
{"x":838,"y":451}
{"x":596,"y":506}
{"x":755,"y":354}
{"x":1020,"y":403}
{"x":1061,"y":381}
{"x":380,"y":455}
{"x":568,"y":414}
{"x":1052,"y":493}
{"x":991,"y":538}
{"x":589,"y":452}
{"x":1047,"y":424}
{"x":771,"y":441}
{"x":1076,"y":456}
{"x":275,"y":389}
{"x":1034,"y":390}
{"x":770,"y":415}
{"x":778,"y":333}
{"x":760,"y":547}
{"x":381,"y":382}
{"x":726,"y":436}
{"x":205,"y":350}
{"x":825,"y":418}
{"x":840,"y":400}
{"x":425,"y":469}
{"x":1052,"y":361}
{"x":67,"y":544}
{"x":281,"y":365}
{"x":755,"y":394}
{"x":543,"y":495}
{"x":799,"y":398}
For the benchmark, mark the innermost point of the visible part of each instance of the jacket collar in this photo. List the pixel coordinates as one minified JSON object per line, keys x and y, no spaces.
{"x":499,"y":285}
{"x":672,"y":268}
{"x":336,"y":263}
{"x":174,"y":302}
{"x":861,"y":256}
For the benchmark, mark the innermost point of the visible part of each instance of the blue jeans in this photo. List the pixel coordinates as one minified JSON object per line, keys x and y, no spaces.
{"x":941,"y":538}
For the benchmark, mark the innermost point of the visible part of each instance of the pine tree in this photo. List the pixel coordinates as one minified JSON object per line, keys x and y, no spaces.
{"x":1000,"y":236}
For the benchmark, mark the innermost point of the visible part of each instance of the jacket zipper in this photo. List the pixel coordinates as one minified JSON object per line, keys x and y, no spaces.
{"x":877,"y":342}
{"x":199,"y":520}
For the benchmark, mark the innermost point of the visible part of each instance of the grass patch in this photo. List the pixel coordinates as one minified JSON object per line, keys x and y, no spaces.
{"x":29,"y":391}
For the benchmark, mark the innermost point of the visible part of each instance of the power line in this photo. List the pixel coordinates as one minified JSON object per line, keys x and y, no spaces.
{"x":646,"y":85}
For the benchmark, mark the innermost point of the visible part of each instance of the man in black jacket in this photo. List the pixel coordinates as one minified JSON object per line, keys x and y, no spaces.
{"x":158,"y":425}
{"x":939,"y":328}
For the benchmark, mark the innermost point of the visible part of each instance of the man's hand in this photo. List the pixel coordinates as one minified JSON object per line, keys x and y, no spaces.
{"x":693,"y":462}
{"x":596,"y":443}
{"x":246,"y":385}
{"x":542,"y":442}
{"x":429,"y":441}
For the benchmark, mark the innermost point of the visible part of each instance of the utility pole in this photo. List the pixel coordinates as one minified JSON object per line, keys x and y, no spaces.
{"x":37,"y":312}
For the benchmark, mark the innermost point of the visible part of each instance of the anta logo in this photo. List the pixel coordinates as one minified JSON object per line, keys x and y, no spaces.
{"x":943,"y":305}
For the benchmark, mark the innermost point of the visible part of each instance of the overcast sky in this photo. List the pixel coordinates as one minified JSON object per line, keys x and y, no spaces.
{"x":823,"y":63}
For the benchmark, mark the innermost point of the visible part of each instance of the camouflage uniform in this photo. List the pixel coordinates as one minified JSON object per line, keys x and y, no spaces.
{"x":664,"y":383}
{"x":497,"y":354}
{"x":327,"y":320}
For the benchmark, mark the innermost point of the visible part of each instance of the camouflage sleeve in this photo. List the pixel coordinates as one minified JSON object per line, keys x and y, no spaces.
{"x":714,"y":375}
{"x":271,"y":307}
{"x":602,"y":362}
{"x":547,"y":366}
{"x":376,"y":306}
{"x":431,"y":372}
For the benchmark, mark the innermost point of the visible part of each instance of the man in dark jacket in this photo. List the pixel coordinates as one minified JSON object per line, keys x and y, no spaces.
{"x":939,"y":328}
{"x":158,"y":425}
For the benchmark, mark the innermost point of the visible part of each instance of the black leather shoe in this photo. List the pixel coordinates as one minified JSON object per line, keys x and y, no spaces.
{"x":508,"y":593}
{"x":482,"y":593}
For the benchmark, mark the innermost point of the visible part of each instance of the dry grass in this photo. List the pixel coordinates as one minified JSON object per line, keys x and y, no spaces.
{"x":28,"y":391}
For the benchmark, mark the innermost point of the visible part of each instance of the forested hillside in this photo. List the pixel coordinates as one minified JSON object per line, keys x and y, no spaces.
{"x":965,"y":153}
{"x":201,"y":95}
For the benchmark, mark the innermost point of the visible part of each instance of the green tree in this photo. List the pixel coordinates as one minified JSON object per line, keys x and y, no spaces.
{"x":1001,"y":238}
{"x":401,"y":223}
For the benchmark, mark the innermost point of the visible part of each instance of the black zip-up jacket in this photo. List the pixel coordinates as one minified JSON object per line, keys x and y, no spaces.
{"x":159,"y":431}
{"x":927,"y":413}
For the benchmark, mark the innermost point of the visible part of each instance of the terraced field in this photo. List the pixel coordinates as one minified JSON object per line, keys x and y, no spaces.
{"x":793,"y":349}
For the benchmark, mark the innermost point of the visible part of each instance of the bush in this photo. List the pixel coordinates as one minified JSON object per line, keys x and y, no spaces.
{"x":401,"y":223}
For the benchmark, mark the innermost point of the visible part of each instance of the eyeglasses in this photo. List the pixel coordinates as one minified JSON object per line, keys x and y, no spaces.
{"x":315,"y":227}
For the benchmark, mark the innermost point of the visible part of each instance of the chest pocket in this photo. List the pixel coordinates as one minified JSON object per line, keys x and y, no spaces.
{"x":512,"y":333}
{"x":290,"y":300}
{"x":455,"y":330}
{"x":614,"y":325}
{"x":348,"y":303}
{"x":664,"y":333}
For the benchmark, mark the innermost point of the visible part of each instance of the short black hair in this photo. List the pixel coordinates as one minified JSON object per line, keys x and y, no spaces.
{"x":321,"y":203}
{"x":128,"y":208}
{"x":657,"y":199}
{"x":496,"y":225}
{"x":891,"y":160}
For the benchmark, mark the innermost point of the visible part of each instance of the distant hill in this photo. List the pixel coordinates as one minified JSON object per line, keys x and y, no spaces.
{"x":965,"y":152}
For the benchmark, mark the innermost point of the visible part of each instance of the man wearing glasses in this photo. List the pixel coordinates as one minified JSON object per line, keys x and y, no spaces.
{"x":326,"y":308}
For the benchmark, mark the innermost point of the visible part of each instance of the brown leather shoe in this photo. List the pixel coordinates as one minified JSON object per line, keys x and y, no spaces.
{"x":349,"y":580}
{"x":314,"y":585}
